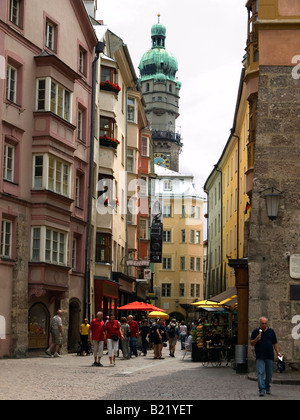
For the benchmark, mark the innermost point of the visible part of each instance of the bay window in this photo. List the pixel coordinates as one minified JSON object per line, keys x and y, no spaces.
{"x":49,"y":245}
{"x":52,"y":96}
{"x":52,"y":174}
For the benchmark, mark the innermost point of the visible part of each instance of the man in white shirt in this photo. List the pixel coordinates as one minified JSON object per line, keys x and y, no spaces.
{"x":56,"y":334}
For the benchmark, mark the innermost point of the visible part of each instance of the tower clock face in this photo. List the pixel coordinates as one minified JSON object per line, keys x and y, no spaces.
{"x":162,"y":159}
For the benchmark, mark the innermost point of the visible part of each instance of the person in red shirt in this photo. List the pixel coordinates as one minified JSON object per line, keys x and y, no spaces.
{"x":113,"y":334}
{"x":134,"y":329}
{"x":96,"y":336}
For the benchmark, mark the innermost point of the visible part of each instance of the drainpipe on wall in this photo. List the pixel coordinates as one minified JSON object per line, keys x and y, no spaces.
{"x":87,"y":271}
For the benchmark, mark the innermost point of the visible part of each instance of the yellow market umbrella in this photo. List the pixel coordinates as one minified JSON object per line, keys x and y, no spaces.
{"x":206,"y":303}
{"x":158,"y":314}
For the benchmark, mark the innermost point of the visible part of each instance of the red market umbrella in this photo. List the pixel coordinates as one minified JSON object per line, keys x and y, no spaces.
{"x":139,"y":306}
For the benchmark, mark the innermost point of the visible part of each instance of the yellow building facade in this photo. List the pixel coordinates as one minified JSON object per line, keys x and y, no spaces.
{"x":231,"y":199}
{"x":178,"y":280}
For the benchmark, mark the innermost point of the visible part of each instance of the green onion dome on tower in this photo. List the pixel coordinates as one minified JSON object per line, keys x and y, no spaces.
{"x":158,"y":63}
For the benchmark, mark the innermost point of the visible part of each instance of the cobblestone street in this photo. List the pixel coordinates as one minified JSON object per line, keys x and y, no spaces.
{"x":172,"y":379}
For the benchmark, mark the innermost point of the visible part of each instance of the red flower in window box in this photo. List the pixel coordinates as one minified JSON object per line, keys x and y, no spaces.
{"x":109,"y":141}
{"x":109,"y":86}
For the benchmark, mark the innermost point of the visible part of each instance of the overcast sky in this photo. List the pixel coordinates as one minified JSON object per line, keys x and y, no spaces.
{"x":208,"y":39}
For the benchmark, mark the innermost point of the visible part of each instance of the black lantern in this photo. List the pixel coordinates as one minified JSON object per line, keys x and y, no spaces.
{"x":272,"y":197}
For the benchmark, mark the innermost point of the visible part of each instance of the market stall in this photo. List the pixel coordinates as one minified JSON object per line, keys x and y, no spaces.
{"x":215,"y":336}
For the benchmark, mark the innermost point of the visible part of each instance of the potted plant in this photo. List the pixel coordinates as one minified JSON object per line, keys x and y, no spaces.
{"x":109,"y":86}
{"x":109,"y":141}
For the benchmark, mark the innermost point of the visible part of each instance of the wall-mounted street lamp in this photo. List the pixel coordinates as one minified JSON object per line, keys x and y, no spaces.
{"x":272,"y":196}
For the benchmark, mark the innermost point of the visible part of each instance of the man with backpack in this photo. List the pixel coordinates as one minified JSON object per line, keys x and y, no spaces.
{"x":173,"y":334}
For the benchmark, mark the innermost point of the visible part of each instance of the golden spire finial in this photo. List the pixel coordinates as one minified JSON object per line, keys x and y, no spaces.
{"x":158,"y":15}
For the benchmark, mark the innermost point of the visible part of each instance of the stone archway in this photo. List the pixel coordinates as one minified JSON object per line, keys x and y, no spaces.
{"x":74,"y":323}
{"x":177,"y":315}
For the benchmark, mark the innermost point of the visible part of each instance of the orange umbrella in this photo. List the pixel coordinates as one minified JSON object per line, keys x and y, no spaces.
{"x":139,"y":306}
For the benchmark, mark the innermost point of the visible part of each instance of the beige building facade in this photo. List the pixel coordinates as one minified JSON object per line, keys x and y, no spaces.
{"x":178,"y":280}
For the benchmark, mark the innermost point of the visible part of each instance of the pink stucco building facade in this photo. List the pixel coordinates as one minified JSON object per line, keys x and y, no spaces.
{"x":46,"y":50}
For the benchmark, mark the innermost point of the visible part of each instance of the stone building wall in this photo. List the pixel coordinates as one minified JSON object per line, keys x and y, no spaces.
{"x":277,"y":164}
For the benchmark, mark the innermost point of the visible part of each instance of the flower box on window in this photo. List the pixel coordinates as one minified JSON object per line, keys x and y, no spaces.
{"x":109,"y":86}
{"x":109,"y":142}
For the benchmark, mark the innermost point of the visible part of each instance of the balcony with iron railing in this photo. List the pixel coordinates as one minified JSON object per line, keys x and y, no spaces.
{"x":166,"y":132}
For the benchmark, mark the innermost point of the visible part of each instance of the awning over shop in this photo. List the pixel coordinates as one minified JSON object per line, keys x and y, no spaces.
{"x":226,"y":298}
{"x":212,"y":309}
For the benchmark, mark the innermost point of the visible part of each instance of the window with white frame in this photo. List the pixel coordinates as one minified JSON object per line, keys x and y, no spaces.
{"x":131,"y":165}
{"x":9,"y":162}
{"x":131,"y":113}
{"x":14,"y":12}
{"x":50,"y":35}
{"x":181,"y":290}
{"x":166,"y":289}
{"x":192,"y":236}
{"x":183,"y":235}
{"x":6,"y":238}
{"x":52,"y":174}
{"x":168,"y":185}
{"x":82,"y":65}
{"x":60,"y":101}
{"x":52,"y":96}
{"x":166,"y":236}
{"x":81,"y":123}
{"x":49,"y":245}
{"x":167,"y":212}
{"x":11,"y":83}
{"x":167,"y":263}
{"x":145,"y":146}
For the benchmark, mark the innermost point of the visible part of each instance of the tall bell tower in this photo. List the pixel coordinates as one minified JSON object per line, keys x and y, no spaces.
{"x":160,"y":87}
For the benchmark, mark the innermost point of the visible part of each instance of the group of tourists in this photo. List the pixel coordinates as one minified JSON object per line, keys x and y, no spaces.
{"x":129,"y":336}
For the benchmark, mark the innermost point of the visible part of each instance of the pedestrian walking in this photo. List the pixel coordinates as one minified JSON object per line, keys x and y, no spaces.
{"x":164,"y":337}
{"x":144,"y":330}
{"x":84,"y":336}
{"x":113,"y":334}
{"x":156,"y":338}
{"x":264,"y":341}
{"x":134,"y":330}
{"x":173,"y":335}
{"x":96,"y":337}
{"x":126,"y":338}
{"x":56,"y":334}
{"x":183,"y":333}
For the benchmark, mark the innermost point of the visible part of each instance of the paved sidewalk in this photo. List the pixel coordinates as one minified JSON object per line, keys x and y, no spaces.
{"x":174,"y":380}
{"x":285,"y":378}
